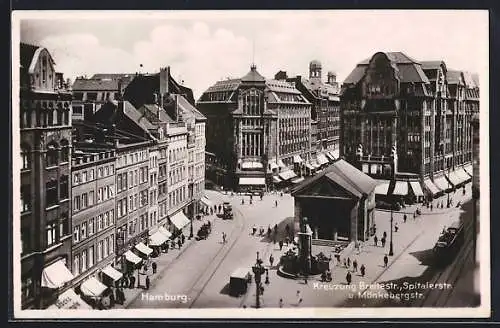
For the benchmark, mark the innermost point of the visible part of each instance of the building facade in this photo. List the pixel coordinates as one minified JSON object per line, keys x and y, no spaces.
{"x":257,"y":129}
{"x":401,"y":122}
{"x":93,"y":214}
{"x":45,"y":213}
{"x":325,"y":110}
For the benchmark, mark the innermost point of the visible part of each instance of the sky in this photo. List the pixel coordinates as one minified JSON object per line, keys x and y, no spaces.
{"x":202,"y":47}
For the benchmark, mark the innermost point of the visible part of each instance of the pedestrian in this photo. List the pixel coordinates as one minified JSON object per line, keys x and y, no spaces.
{"x":404,"y":218}
{"x":386,"y":260}
{"x":254,"y":229}
{"x":281,"y":302}
{"x":179,"y":243}
{"x":355,"y":265}
{"x":183,"y":239}
{"x":384,"y":235}
{"x":396,"y":227}
{"x":274,"y":239}
{"x":153,"y":265}
{"x":345,"y":263}
{"x":147,"y":282}
{"x":299,"y":298}
{"x":305,"y":279}
{"x":223,"y":237}
{"x":281,"y":245}
{"x":348,"y":262}
{"x":251,"y":202}
{"x":348,"y":277}
{"x":432,"y":206}
{"x":167,"y":245}
{"x":287,"y":240}
{"x":375,"y":240}
{"x":132,"y":282}
{"x":269,"y":231}
{"x":383,"y":242}
{"x":281,"y":194}
{"x":414,"y":215}
{"x":242,"y":201}
{"x":374,"y":229}
{"x":271,"y":259}
{"x":275,"y":203}
{"x":275,"y":229}
{"x":362,"y":270}
{"x":215,"y":208}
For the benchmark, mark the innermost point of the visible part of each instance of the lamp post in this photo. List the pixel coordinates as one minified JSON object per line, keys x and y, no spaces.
{"x":391,"y":249}
{"x":258,"y":269}
{"x":449,"y":187}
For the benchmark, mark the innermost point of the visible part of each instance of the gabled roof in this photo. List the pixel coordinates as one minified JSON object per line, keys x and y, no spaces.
{"x":454,"y":77}
{"x":150,"y":111}
{"x":27,"y":51}
{"x":136,"y":116}
{"x":82,"y":84}
{"x":186,"y":106}
{"x":432,"y":64}
{"x":408,"y":69}
{"x":112,"y":76}
{"x":345,"y":175}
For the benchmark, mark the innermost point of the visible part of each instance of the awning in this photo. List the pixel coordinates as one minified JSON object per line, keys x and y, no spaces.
{"x":297,"y":180}
{"x":273,"y":165}
{"x":251,"y":165}
{"x":330,"y":156}
{"x":157,"y":239}
{"x":297,"y":159}
{"x":454,"y":179}
{"x":112,"y":273}
{"x":309,"y":166}
{"x":468,"y":169}
{"x":179,"y":220}
{"x":252,"y":181}
{"x":442,"y":183}
{"x":131,"y":257}
{"x":431,"y":187}
{"x":335,"y":153}
{"x":69,"y":300}
{"x":206,"y":202}
{"x":286,"y":175}
{"x":165,"y":232}
{"x":417,"y":189}
{"x":56,"y":275}
{"x":401,"y":188}
{"x":382,"y":188}
{"x":281,"y":164}
{"x":276,"y":179}
{"x":464,"y":177}
{"x":93,"y":287}
{"x":321,"y":158}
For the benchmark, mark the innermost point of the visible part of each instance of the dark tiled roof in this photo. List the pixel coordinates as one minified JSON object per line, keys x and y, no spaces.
{"x":396,"y":57}
{"x":432,"y":64}
{"x":355,"y":75}
{"x":253,"y":76}
{"x":346,"y":176}
{"x":112,"y":76}
{"x":185,"y":105}
{"x":454,"y":77}
{"x":82,"y":84}
{"x":26,"y":54}
{"x":136,"y":116}
{"x":281,"y":86}
{"x":412,"y":73}
{"x":225,"y":85}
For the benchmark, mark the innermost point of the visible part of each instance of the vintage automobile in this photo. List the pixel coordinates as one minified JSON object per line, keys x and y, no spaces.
{"x":227,"y":211}
{"x":239,"y":280}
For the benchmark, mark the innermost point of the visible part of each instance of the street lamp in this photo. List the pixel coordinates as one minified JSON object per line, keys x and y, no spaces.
{"x":391,"y":249}
{"x":449,"y":187}
{"x":258,"y":269}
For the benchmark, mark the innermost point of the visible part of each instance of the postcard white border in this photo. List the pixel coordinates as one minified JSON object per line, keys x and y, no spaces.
{"x":286,"y":313}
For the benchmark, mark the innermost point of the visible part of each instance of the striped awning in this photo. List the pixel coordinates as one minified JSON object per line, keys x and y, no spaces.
{"x":131,"y":257}
{"x":442,"y":183}
{"x":431,"y":187}
{"x":382,"y":187}
{"x":179,"y":220}
{"x":93,"y":287}
{"x":112,"y":273}
{"x":417,"y":189}
{"x":464,"y":177}
{"x":453,"y":178}
{"x":141,"y":247}
{"x":287,"y":175}
{"x":56,"y":275}
{"x":206,"y":201}
{"x":401,"y":188}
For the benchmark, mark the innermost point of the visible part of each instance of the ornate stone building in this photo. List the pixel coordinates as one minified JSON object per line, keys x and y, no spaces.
{"x":404,"y":123}
{"x":258,"y":129}
{"x":45,"y":157}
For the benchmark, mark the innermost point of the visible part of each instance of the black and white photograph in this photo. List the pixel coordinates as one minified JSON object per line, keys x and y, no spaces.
{"x":246,"y":164}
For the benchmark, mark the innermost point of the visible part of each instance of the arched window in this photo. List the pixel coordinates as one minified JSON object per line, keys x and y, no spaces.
{"x":26,"y":156}
{"x":64,"y":187}
{"x":64,"y":150}
{"x":52,"y":154}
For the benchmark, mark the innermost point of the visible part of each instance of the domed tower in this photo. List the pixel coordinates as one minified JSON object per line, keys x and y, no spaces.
{"x":315,"y":70}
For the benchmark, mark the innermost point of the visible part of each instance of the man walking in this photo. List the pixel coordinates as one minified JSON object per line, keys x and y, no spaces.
{"x":299,"y":298}
{"x":271,"y":259}
{"x":386,"y":260}
{"x":355,"y":265}
{"x":281,"y":302}
{"x":147,"y":282}
{"x":404,"y":218}
{"x":362,"y":270}
{"x":281,"y":245}
{"x":383,"y":241}
{"x":375,"y":240}
{"x":153,"y":265}
{"x":348,"y":277}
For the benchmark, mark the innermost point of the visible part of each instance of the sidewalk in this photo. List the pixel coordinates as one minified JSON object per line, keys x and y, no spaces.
{"x":163,"y":261}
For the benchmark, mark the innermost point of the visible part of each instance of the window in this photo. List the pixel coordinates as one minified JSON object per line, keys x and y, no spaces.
{"x":64,"y":185}
{"x":91,"y":174}
{"x":76,"y":234}
{"x":84,"y":176}
{"x":85,"y":201}
{"x":99,"y":172}
{"x":99,"y":195}
{"x":64,"y":150}
{"x":76,"y":203}
{"x":84,"y":260}
{"x":25,"y":157}
{"x":83,"y":231}
{"x":91,"y":96}
{"x":51,"y":156}
{"x":106,"y":171}
{"x":106,"y":247}
{"x":91,"y":256}
{"x":26,"y":240}
{"x":51,"y":193}
{"x":25,"y":198}
{"x":76,"y":265}
{"x":99,"y":222}
{"x":112,"y":244}
{"x":106,"y":219}
{"x":91,"y":198}
{"x":64,"y":225}
{"x":76,"y":178}
{"x":99,"y":251}
{"x":91,"y":226}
